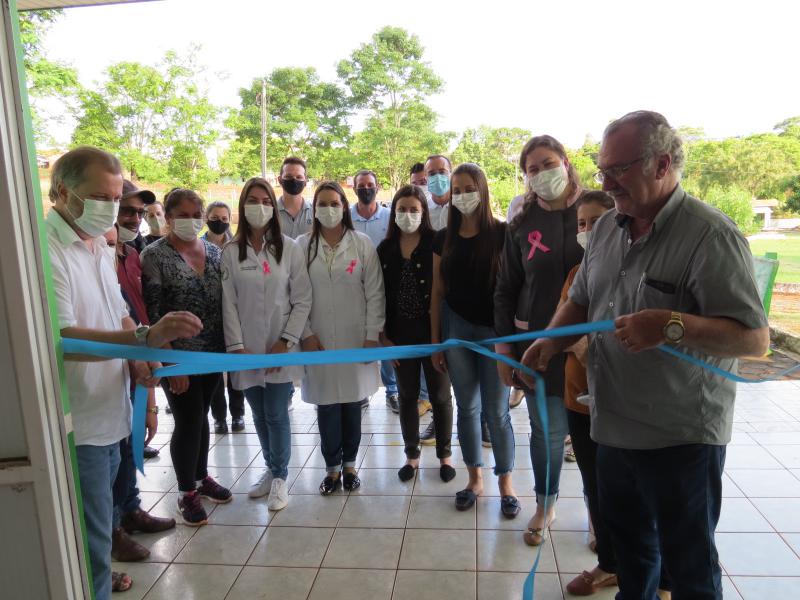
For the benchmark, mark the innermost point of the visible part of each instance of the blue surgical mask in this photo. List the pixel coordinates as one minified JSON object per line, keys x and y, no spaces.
{"x":439,"y":184}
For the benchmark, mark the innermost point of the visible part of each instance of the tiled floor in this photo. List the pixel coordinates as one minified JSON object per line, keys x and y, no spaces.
{"x":405,"y":541}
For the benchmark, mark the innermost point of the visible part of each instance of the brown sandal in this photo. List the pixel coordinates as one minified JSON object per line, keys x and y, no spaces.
{"x":585,"y":584}
{"x":120,"y":582}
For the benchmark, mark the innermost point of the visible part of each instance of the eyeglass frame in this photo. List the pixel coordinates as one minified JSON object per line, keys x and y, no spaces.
{"x":618,"y":171}
{"x":133,"y":212}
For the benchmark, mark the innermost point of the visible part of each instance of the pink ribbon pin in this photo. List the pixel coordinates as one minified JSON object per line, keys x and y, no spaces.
{"x":535,"y":240}
{"x":266,"y":268}
{"x":351,"y":267}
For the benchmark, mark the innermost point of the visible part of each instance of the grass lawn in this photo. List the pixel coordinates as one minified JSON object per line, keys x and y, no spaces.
{"x":788,"y":249}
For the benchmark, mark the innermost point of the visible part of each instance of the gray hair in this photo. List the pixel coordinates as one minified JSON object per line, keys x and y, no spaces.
{"x":657,"y":136}
{"x":71,"y":168}
{"x":217,"y":204}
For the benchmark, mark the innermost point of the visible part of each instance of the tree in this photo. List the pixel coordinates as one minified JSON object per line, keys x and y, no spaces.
{"x":734,"y":202}
{"x":790,"y":126}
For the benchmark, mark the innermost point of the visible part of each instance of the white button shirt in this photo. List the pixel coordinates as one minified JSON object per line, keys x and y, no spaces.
{"x":88,"y":296}
{"x":438,"y":214}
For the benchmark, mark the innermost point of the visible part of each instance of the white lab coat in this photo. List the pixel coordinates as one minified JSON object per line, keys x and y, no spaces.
{"x":262,"y":301}
{"x":348,"y":308}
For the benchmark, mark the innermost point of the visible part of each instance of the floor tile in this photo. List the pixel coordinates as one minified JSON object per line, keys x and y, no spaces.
{"x":729,"y":591}
{"x":198,"y":582}
{"x":434,"y":585}
{"x":776,"y":438}
{"x":149,"y":499}
{"x":352,"y":584}
{"x":793,"y":539}
{"x":432,"y":512}
{"x":291,"y":547}
{"x":767,"y":588}
{"x":756,"y":554}
{"x":311,"y":511}
{"x":788,"y":455}
{"x":144,"y":575}
{"x":308,"y":480}
{"x":429,"y":483}
{"x":382,"y":482}
{"x":438,"y":549}
{"x":782,"y":513}
{"x":221,"y":545}
{"x":375,"y":511}
{"x":750,"y":457}
{"x":571,"y":514}
{"x":250,"y":475}
{"x":508,"y":586}
{"x":572,"y":552}
{"x":156,"y":479}
{"x":364,"y":548}
{"x":232,"y":456}
{"x":243,"y":510}
{"x":272,"y":583}
{"x":491,"y":517}
{"x":165,"y":545}
{"x":506,"y":551}
{"x":381,"y":457}
{"x":570,"y":485}
{"x":226,"y":476}
{"x":739,"y":514}
{"x":766,"y":483}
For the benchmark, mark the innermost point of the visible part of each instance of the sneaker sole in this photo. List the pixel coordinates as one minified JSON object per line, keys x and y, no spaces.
{"x":194,"y":524}
{"x":279,"y":507}
{"x":257,"y":495}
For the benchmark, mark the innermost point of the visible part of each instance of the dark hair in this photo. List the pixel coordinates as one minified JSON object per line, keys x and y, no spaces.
{"x":274,"y":237}
{"x":542,"y":141}
{"x":347,"y":220}
{"x":71,"y":168}
{"x":393,"y":231}
{"x":166,"y":195}
{"x":178,"y":195}
{"x":363,"y":172}
{"x":416,"y":168}
{"x":442,"y":156}
{"x":292,"y":160}
{"x":217,"y":204}
{"x":595,"y":197}
{"x":489,"y":252}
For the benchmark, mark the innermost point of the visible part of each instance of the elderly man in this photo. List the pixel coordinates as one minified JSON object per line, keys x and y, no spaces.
{"x":132,"y":209}
{"x":85,"y":188}
{"x":670,"y":270}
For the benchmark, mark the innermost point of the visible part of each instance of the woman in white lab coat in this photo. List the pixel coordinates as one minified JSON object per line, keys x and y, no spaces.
{"x":347,"y":312}
{"x":266,"y":299}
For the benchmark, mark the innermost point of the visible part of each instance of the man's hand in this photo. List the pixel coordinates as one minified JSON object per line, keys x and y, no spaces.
{"x":505,"y":371}
{"x":151,"y":424}
{"x":537,"y":357}
{"x":580,"y":349}
{"x":279,"y":347}
{"x":643,"y":330}
{"x":143,"y":373}
{"x":173,"y":326}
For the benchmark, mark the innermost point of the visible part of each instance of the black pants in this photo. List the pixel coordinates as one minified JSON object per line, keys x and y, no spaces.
{"x":339,"y":434}
{"x":439,"y":396}
{"x":219,"y":407}
{"x":662,"y":507}
{"x":189,"y":444}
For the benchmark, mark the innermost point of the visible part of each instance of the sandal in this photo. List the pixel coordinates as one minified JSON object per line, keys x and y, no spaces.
{"x":586,"y":584}
{"x":465,"y":499}
{"x":120,"y":582}
{"x":330,"y":484}
{"x":406,"y":473}
{"x":510,"y":506}
{"x":535,"y":536}
{"x":351,"y":481}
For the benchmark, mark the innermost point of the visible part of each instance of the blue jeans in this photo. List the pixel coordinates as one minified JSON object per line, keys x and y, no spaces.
{"x":388,"y":378}
{"x":478,"y":388}
{"x":423,"y":387}
{"x":339,"y":434}
{"x":97,"y":469}
{"x":558,"y":428}
{"x":663,"y":505}
{"x":125,"y":490}
{"x":270,"y":406}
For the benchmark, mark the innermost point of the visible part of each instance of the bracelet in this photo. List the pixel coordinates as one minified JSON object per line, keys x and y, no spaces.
{"x":152,"y":409}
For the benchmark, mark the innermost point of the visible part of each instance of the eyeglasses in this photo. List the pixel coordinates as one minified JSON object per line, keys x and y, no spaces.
{"x":129,"y":211}
{"x":615,"y":172}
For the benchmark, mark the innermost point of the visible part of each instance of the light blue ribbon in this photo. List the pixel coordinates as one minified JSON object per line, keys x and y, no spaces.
{"x":197,"y":363}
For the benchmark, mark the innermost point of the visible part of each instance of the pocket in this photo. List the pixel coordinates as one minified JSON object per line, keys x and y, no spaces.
{"x":660,"y":296}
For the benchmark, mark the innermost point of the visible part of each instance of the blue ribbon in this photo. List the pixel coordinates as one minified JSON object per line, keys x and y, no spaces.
{"x":197,"y":363}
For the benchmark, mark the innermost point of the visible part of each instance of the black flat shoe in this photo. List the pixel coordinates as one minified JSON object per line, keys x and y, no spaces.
{"x":510,"y":506}
{"x":465,"y":499}
{"x":150,"y":452}
{"x":351,"y":482}
{"x":446,"y":473}
{"x":406,"y":473}
{"x":220,"y":427}
{"x":237,"y":424}
{"x":330,"y":484}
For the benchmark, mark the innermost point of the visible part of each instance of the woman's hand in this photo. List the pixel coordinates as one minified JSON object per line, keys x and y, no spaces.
{"x":279,"y":347}
{"x":439,"y":362}
{"x":143,"y":373}
{"x":386,"y":342}
{"x":178,"y":384}
{"x":506,"y":373}
{"x":311,"y":344}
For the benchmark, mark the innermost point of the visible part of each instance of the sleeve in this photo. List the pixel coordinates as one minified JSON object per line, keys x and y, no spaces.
{"x":231,"y":324}
{"x":579,"y":290}
{"x":63,"y":291}
{"x":721,"y":279}
{"x":510,"y":279}
{"x":373,"y":291}
{"x":111,"y":277}
{"x":151,"y":285}
{"x":300,"y":294}
{"x":568,"y":284}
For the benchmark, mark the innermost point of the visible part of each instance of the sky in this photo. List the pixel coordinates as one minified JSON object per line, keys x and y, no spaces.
{"x":563,"y":68}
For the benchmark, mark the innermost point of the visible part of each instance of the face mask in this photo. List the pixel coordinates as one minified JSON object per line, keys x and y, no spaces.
{"x":157,"y":224}
{"x":187,"y":229}
{"x":292,"y":186}
{"x":407,"y":221}
{"x":218,"y":227}
{"x":329,"y":216}
{"x":439,"y":184}
{"x":550,"y":184}
{"x":126,"y":235}
{"x":98,"y":216}
{"x":258,"y":215}
{"x":583,"y":239}
{"x":366,"y":195}
{"x":467,"y":203}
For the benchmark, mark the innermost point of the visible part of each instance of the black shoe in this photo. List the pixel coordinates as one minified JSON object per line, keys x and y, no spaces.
{"x":237,"y":424}
{"x":220,"y":427}
{"x":393,"y":403}
{"x":428,"y":437}
{"x":214,"y":492}
{"x":485,"y":439}
{"x":406,"y":472}
{"x":150,"y":452}
{"x":330,"y":484}
{"x":351,"y":482}
{"x":447,"y":473}
{"x":510,"y":506}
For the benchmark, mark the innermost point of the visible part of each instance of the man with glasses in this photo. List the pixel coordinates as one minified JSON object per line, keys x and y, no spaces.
{"x":670,"y":270}
{"x":132,"y":209}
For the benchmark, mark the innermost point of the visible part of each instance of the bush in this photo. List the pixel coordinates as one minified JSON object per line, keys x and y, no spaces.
{"x":736,"y":203}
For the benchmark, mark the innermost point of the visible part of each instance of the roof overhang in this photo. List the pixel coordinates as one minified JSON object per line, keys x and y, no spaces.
{"x":41,"y":4}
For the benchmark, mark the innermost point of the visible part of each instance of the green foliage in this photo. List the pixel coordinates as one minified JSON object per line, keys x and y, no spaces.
{"x":792,"y":203}
{"x":734,"y":202}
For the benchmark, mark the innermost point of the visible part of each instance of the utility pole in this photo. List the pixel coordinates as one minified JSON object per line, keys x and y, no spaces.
{"x":262,"y":100}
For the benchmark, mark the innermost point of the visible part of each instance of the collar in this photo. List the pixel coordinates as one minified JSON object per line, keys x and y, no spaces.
{"x":673,"y":203}
{"x":282,"y":204}
{"x":573,"y":198}
{"x":378,"y":214}
{"x":65,"y":234}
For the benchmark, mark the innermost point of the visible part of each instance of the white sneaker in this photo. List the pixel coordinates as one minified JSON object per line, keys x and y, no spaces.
{"x":278,"y":495}
{"x":262,"y":486}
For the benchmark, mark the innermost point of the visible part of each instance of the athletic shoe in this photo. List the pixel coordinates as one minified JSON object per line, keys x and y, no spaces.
{"x":393,"y":403}
{"x":423,"y":406}
{"x":261,"y":487}
{"x":278,"y":494}
{"x":485,"y":439}
{"x":428,"y":437}
{"x":191,"y":509}
{"x":214,"y":492}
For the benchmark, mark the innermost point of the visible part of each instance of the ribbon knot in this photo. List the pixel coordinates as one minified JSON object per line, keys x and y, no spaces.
{"x":535,"y":240}
{"x":267,"y":270}
{"x":352,"y":266}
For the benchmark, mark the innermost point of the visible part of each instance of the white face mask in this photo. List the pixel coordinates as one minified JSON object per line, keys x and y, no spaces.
{"x":187,"y":229}
{"x":329,"y":216}
{"x":157,"y":224}
{"x":258,"y":215}
{"x":550,"y":184}
{"x":467,"y":203}
{"x":583,"y":239}
{"x":98,"y":215}
{"x":407,"y":221}
{"x":126,"y":235}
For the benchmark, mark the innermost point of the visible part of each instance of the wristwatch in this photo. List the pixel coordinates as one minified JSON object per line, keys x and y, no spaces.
{"x":289,"y":343}
{"x":674,"y":329}
{"x":152,"y":409}
{"x":141,"y":334}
